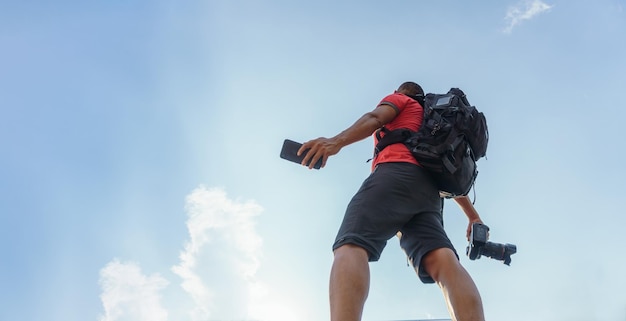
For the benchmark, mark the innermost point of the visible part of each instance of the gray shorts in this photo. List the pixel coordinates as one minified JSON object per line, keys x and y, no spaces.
{"x":396,"y":197}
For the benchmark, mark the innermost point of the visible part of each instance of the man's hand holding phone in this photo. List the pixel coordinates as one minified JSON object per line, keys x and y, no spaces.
{"x":318,"y":150}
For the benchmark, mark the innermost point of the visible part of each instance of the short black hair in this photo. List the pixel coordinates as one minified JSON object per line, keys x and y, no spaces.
{"x":411,"y":88}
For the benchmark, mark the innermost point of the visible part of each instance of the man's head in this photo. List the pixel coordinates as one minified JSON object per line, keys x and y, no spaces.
{"x":410,"y":88}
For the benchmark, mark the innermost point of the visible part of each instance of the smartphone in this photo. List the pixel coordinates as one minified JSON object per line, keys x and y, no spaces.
{"x":290,"y":153}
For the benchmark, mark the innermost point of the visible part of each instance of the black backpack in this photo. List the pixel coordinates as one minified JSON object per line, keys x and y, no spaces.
{"x":453,"y":136}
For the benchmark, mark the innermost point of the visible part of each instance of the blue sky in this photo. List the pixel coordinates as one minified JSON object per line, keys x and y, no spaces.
{"x":140,"y":177}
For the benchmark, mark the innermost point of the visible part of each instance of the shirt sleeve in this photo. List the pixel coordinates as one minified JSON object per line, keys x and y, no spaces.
{"x":395,"y":101}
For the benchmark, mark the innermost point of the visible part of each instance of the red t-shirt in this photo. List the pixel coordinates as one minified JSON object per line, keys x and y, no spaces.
{"x":409,"y":115}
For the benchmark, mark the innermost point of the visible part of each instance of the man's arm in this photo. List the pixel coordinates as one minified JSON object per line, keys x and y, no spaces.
{"x":364,"y":127}
{"x":468,"y":208}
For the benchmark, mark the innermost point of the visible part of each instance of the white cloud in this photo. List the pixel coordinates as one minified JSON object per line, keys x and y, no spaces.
{"x":218,"y":267}
{"x":524,"y":10}
{"x":221,"y":256}
{"x":127,"y":294}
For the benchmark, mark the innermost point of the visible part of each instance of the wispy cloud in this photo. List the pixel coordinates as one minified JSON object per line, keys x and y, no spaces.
{"x":524,"y":10}
{"x":127,"y":294}
{"x":221,"y":256}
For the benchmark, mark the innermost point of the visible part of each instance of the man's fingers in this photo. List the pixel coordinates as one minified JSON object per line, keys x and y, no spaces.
{"x":324,"y":161}
{"x":305,"y":150}
{"x":304,"y":147}
{"x":316,"y":158}
{"x":313,"y":151}
{"x":307,"y":157}
{"x":311,"y":157}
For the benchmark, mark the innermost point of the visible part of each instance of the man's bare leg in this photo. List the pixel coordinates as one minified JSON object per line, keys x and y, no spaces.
{"x":458,"y":288}
{"x":349,"y":283}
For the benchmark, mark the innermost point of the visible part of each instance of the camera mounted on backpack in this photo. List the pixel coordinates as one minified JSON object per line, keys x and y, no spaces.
{"x":480,"y":246}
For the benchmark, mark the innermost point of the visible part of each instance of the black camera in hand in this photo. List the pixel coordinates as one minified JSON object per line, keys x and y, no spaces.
{"x":478,"y":245}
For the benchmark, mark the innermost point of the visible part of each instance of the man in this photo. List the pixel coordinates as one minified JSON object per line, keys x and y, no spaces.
{"x":398,"y":196}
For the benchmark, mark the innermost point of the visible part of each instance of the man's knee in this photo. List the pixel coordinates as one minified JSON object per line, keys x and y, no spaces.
{"x":350,"y":251}
{"x":439,"y":262}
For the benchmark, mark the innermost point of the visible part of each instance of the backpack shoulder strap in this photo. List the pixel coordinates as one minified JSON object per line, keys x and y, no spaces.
{"x":399,"y":135}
